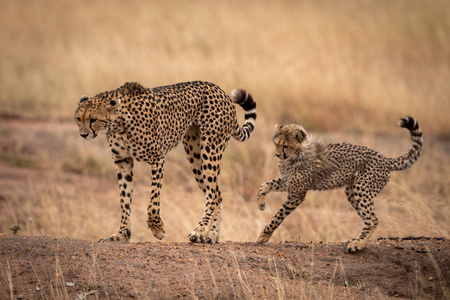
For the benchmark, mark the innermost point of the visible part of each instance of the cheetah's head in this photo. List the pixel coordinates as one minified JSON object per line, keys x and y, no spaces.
{"x":289,"y":141}
{"x":94,"y":115}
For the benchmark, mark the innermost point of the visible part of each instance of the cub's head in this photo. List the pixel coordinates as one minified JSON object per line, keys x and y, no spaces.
{"x":289,"y":141}
{"x":94,"y":115}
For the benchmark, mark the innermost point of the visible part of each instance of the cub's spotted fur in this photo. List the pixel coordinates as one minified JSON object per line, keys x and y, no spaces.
{"x":309,"y":164}
{"x":143,"y":124}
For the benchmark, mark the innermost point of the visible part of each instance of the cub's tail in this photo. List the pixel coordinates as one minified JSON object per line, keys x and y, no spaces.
{"x":245,"y":100}
{"x":405,"y":161}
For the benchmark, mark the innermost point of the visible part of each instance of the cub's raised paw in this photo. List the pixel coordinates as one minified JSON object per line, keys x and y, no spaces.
{"x":261,"y":200}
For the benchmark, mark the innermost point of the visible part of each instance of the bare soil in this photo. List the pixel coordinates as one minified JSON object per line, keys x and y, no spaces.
{"x":46,"y":267}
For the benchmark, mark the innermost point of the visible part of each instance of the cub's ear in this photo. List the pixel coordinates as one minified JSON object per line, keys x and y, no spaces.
{"x":300,"y":135}
{"x":303,"y":132}
{"x":84,"y":99}
{"x":113,"y":105}
{"x":278,"y":127}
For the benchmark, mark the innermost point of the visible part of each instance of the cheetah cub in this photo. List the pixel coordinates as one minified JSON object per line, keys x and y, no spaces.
{"x":306,"y":164}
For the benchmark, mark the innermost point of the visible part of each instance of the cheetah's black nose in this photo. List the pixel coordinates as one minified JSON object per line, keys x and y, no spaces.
{"x":84,"y":135}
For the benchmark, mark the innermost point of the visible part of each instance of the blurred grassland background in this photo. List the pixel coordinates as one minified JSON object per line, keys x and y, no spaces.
{"x":345,"y":70}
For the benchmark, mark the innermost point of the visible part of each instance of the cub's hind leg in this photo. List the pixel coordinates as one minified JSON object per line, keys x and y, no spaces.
{"x":360,"y":193}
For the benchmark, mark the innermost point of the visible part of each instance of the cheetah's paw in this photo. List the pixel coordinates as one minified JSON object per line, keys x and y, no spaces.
{"x":201,"y":235}
{"x":263,"y":238}
{"x":158,"y":231}
{"x":122,"y":236}
{"x":213,"y":237}
{"x":356,"y":245}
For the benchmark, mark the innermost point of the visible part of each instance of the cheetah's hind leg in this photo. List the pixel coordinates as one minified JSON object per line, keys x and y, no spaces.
{"x":362,"y":202}
{"x":194,"y":150}
{"x":214,"y":233}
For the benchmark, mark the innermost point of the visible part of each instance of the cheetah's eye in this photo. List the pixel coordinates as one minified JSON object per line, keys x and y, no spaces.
{"x":285,"y":147}
{"x":93,"y":120}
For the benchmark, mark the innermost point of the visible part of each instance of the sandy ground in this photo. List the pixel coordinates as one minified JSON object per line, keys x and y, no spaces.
{"x":54,"y":268}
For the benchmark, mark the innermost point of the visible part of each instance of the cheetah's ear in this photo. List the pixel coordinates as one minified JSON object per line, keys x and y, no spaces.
{"x":83,"y":99}
{"x":113,"y":105}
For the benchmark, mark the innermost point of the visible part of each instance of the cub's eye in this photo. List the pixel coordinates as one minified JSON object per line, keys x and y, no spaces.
{"x":93,"y":120}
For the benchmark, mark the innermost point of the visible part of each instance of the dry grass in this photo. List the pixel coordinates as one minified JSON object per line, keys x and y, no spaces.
{"x":350,"y":67}
{"x":327,"y":64}
{"x":51,"y":199}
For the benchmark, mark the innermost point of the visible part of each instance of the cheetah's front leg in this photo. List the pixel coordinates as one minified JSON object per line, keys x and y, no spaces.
{"x":277,"y":185}
{"x":360,"y":194}
{"x":293,"y":201}
{"x":124,"y":169}
{"x":154,"y":220}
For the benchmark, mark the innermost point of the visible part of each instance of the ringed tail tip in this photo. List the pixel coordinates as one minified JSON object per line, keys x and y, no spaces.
{"x":245,"y":100}
{"x":408,"y":122}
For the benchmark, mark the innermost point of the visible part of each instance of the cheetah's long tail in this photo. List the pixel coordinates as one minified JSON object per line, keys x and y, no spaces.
{"x":245,"y":100}
{"x":405,"y":161}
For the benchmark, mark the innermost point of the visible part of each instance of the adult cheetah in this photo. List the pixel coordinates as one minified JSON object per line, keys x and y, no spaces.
{"x":144,"y":124}
{"x":306,"y":164}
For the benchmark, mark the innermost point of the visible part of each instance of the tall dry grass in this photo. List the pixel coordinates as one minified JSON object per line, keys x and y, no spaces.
{"x":72,"y":191}
{"x":348,"y":69}
{"x":331,"y":65}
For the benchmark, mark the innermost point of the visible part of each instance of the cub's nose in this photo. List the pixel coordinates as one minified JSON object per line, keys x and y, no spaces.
{"x":84,"y":135}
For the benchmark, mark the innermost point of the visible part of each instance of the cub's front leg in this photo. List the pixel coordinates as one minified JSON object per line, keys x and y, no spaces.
{"x":294,"y":199}
{"x":277,"y":185}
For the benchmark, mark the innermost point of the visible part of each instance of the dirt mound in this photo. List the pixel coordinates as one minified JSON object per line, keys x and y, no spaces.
{"x":56,"y":268}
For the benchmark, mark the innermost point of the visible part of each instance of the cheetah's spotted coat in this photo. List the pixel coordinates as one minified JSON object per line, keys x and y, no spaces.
{"x":309,"y":164}
{"x":143,"y":124}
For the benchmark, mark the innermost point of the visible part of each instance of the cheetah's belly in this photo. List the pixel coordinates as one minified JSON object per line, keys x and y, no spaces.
{"x":331,"y":180}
